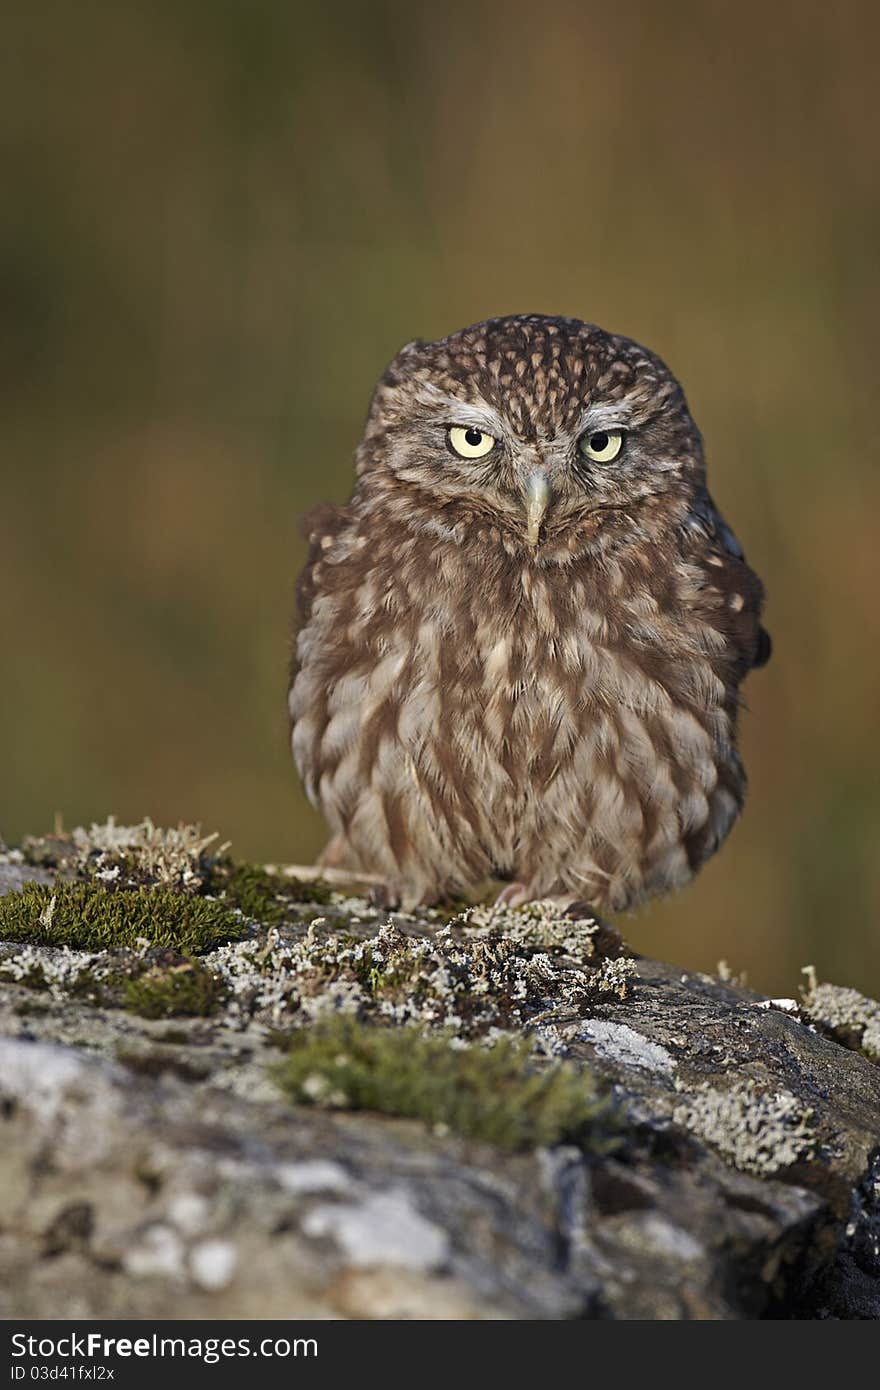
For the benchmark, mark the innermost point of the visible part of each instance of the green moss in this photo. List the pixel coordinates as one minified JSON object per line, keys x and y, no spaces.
{"x":308,"y":890}
{"x":177,"y":1037}
{"x":29,"y":1008}
{"x":91,"y":988}
{"x":493,"y":1093}
{"x":187,"y":990}
{"x":89,"y":918}
{"x":262,"y":896}
{"x":252,"y":890}
{"x":155,"y":1062}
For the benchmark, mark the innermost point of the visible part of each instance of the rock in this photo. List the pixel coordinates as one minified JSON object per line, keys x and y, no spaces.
{"x":154,"y":1166}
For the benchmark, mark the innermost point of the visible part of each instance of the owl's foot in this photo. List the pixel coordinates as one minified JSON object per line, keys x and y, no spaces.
{"x":514,"y":895}
{"x":386,"y":896}
{"x":568,"y":904}
{"x":336,"y":854}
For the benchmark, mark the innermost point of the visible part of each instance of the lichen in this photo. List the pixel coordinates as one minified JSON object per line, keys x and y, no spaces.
{"x":29,"y":973}
{"x":60,"y":972}
{"x":624,"y":1045}
{"x":495,"y":1093}
{"x":539,"y":926}
{"x":730,"y":977}
{"x":613,"y":978}
{"x":141,"y":887}
{"x":849,"y":1017}
{"x":757,"y":1131}
{"x":129,"y":856}
{"x":92,"y":917}
{"x":439,"y":981}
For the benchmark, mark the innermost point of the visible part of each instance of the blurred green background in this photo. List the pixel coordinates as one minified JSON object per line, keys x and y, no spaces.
{"x":220,"y":220}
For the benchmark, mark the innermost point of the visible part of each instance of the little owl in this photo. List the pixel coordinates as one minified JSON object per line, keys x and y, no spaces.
{"x":521,"y":643}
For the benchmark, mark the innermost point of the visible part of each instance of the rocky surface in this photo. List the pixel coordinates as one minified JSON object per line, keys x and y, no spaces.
{"x":156,"y":1166}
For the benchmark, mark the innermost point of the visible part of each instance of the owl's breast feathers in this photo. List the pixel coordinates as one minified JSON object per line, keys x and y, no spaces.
{"x":460,"y":711}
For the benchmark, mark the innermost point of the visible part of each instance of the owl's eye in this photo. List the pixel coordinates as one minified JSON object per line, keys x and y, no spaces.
{"x":602,"y":446}
{"x":470,"y":443}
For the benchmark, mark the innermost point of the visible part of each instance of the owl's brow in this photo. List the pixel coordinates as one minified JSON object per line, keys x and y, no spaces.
{"x":618,"y":415}
{"x":481,"y":416}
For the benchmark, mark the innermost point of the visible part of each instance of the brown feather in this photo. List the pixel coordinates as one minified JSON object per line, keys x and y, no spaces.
{"x":465,"y":705}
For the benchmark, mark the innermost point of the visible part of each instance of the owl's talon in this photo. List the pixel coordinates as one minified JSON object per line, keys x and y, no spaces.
{"x":514,"y":895}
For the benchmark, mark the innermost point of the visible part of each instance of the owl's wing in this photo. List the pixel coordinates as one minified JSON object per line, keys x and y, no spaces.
{"x":712,"y":545}
{"x":321,"y":527}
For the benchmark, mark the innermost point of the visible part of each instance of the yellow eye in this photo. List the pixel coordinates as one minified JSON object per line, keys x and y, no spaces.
{"x":471,"y":443}
{"x":602,"y":446}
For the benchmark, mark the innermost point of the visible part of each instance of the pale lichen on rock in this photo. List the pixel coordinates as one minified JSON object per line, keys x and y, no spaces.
{"x":110,"y":853}
{"x":624,"y":1045}
{"x":848,"y":1016}
{"x":447,"y":979}
{"x":702,"y":1151}
{"x":758,"y":1131}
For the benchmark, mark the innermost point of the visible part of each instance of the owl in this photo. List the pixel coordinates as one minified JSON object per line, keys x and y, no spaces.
{"x":520,"y":645}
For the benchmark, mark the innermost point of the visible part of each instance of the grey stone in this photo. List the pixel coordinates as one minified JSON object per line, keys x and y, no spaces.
{"x":144,"y":1175}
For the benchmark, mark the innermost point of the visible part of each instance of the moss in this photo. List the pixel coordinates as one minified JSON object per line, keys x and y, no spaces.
{"x":180,"y":858}
{"x":262,"y":896}
{"x":186,"y":990}
{"x":29,"y":1008}
{"x":306,"y":890}
{"x":86,"y":917}
{"x":256,"y":893}
{"x":177,"y":1037}
{"x":155,"y":1062}
{"x":492,"y":1093}
{"x":88,"y":988}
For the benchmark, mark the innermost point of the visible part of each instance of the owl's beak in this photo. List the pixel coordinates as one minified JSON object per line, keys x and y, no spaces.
{"x":537,"y":492}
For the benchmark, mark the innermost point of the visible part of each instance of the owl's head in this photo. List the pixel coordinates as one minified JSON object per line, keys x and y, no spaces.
{"x":535,"y":422}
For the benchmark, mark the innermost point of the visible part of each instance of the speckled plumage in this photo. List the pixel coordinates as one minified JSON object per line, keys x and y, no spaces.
{"x":466,"y":704}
